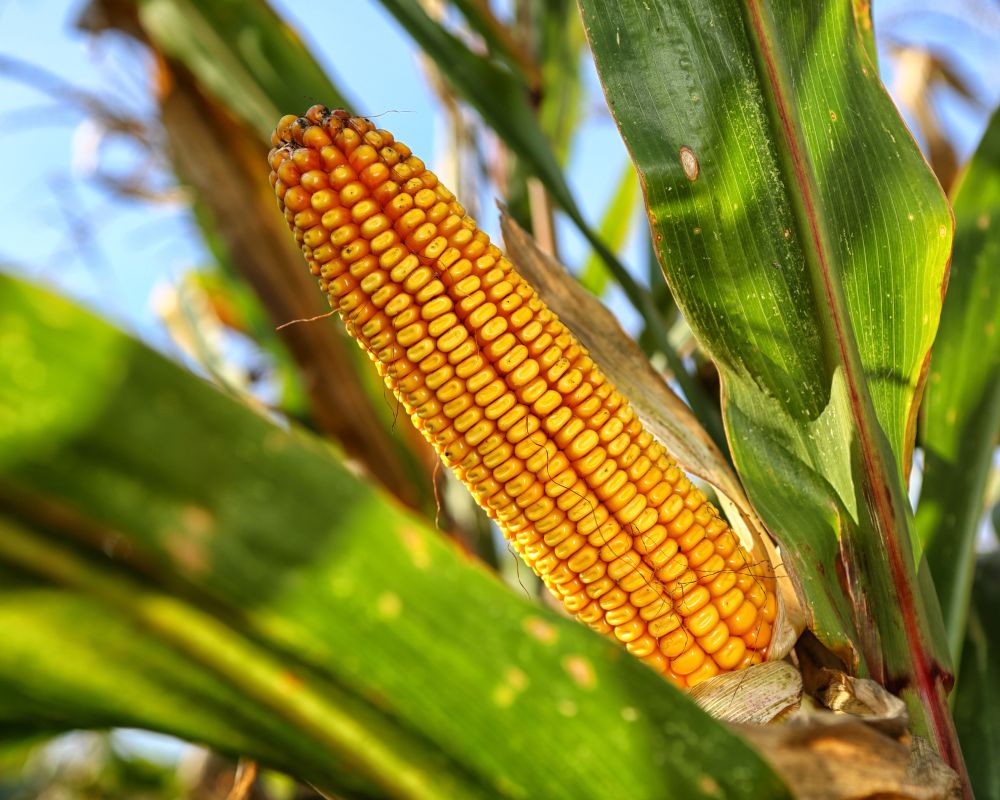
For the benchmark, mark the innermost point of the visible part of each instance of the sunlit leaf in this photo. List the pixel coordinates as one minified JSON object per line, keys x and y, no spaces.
{"x":806,"y":243}
{"x":207,"y":573}
{"x":502,"y":100}
{"x":244,"y":54}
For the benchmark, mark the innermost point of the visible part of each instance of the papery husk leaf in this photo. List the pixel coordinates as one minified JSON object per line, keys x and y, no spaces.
{"x":661,"y":411}
{"x":826,"y":756}
{"x":753,"y":696}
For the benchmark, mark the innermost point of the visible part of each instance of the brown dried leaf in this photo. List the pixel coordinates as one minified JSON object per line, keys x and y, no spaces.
{"x":824,"y":756}
{"x":220,"y":158}
{"x":224,"y":163}
{"x":663,"y":413}
{"x":918,"y":72}
{"x":863,"y":698}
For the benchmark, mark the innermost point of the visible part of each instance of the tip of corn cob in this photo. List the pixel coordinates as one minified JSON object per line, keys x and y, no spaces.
{"x":515,"y":406}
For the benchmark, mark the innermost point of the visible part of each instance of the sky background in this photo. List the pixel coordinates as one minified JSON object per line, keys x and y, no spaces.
{"x":59,"y":228}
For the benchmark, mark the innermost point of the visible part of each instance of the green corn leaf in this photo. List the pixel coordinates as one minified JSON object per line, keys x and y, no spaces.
{"x":502,"y":100}
{"x":962,"y":405}
{"x":179,"y":562}
{"x":244,"y":54}
{"x":977,"y":696}
{"x":806,"y":242}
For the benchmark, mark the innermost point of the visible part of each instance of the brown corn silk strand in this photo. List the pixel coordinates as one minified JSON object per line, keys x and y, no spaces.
{"x":515,"y":406}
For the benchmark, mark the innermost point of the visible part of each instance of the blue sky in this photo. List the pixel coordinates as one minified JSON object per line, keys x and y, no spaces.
{"x":59,"y":228}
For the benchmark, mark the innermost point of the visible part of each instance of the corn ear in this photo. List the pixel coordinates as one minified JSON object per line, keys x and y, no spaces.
{"x":515,"y":406}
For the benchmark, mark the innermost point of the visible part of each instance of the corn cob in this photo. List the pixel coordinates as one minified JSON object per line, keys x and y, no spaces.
{"x":515,"y":406}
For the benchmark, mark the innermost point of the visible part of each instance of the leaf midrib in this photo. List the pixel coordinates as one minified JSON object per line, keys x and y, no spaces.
{"x":890,"y":520}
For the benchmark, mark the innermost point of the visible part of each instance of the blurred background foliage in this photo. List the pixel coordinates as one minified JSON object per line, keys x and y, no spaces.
{"x":136,"y":133}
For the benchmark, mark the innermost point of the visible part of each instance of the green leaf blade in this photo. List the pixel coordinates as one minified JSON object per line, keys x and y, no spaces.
{"x":977,"y":696}
{"x":258,"y":559}
{"x":772,"y":160}
{"x":244,"y":53}
{"x":962,"y":407}
{"x":501,"y":98}
{"x":615,"y":226}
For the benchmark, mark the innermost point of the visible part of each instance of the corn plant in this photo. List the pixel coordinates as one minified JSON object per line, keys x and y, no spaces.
{"x":300,"y":588}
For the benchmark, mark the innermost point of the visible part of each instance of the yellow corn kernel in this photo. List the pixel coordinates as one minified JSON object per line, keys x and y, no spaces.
{"x":515,"y":406}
